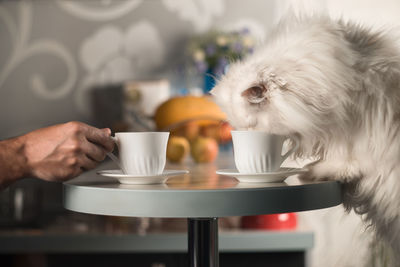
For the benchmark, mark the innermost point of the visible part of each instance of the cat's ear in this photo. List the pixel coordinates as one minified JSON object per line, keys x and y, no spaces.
{"x":255,"y":94}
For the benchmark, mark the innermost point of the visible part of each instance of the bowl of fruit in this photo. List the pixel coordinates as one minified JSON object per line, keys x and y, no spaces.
{"x":197,"y":128}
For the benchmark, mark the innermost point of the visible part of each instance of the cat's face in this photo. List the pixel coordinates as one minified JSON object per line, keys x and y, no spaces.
{"x":255,"y":98}
{"x":295,"y":86}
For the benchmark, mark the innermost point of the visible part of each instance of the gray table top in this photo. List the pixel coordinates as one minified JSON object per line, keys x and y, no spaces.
{"x":200,"y":194}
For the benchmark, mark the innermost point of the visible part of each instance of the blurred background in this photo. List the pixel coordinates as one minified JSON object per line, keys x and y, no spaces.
{"x":131,"y":66}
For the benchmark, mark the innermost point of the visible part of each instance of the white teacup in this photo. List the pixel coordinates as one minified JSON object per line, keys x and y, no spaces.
{"x":141,"y":153}
{"x":259,"y":152}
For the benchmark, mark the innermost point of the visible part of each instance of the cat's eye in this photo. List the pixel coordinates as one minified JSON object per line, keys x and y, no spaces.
{"x":255,"y":94}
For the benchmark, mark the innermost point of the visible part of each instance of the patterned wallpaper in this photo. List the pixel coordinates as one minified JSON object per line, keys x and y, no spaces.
{"x":52,"y":52}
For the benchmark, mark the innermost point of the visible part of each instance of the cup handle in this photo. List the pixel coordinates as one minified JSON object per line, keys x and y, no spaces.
{"x":296,"y":146}
{"x":115,"y":158}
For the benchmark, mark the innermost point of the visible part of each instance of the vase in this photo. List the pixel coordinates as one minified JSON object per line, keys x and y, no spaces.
{"x":209,"y":81}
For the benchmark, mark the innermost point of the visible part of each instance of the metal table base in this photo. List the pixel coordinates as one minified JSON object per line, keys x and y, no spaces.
{"x":203,"y":242}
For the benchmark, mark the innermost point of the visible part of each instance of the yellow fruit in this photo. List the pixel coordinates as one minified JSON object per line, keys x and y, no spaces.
{"x":210,"y":131}
{"x":204,"y":149}
{"x":191,"y":130}
{"x":185,"y":108}
{"x":177,"y":148}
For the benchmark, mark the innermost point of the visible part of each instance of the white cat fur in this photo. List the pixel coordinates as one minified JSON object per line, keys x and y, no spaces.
{"x":337,"y":87}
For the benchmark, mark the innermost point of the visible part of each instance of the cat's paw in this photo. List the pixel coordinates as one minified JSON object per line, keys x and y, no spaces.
{"x":313,"y":173}
{"x":332,"y":170}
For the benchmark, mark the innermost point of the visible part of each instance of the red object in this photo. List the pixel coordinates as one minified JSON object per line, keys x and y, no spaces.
{"x":225,"y":132}
{"x":279,"y":221}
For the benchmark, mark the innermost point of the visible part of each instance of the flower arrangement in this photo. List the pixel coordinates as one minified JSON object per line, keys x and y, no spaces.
{"x":212,"y":52}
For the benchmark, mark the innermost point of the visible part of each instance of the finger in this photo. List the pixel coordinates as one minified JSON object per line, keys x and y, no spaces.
{"x":110,"y":144}
{"x":87,"y":163}
{"x":99,"y":136}
{"x":93,"y":151}
{"x":107,"y":131}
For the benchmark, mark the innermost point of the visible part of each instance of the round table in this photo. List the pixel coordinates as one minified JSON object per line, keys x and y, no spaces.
{"x":201,"y":196}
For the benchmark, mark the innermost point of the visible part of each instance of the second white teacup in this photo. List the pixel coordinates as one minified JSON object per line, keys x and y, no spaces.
{"x":259,"y":152}
{"x":141,"y":153}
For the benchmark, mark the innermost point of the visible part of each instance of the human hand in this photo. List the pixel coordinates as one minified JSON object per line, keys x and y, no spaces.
{"x":61,"y":152}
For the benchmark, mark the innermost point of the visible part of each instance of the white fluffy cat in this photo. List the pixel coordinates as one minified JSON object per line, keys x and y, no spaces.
{"x":336,"y":86}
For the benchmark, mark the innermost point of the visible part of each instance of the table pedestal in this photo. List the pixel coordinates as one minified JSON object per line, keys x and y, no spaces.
{"x":203,"y":242}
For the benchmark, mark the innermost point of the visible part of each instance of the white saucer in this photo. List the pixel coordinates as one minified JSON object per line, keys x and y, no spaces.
{"x":141,"y":179}
{"x":268,"y":177}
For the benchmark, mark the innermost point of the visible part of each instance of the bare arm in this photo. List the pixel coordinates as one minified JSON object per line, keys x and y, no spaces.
{"x":55,"y":153}
{"x":13,"y":163}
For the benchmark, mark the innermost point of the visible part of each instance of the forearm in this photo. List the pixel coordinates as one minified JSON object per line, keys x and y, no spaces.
{"x":13,"y":162}
{"x":55,"y":153}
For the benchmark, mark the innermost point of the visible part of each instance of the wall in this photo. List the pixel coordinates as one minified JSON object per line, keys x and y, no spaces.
{"x":52,"y":52}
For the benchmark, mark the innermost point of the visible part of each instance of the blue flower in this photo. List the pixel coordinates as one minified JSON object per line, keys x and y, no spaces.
{"x":237,"y":47}
{"x":201,"y":66}
{"x":210,"y":49}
